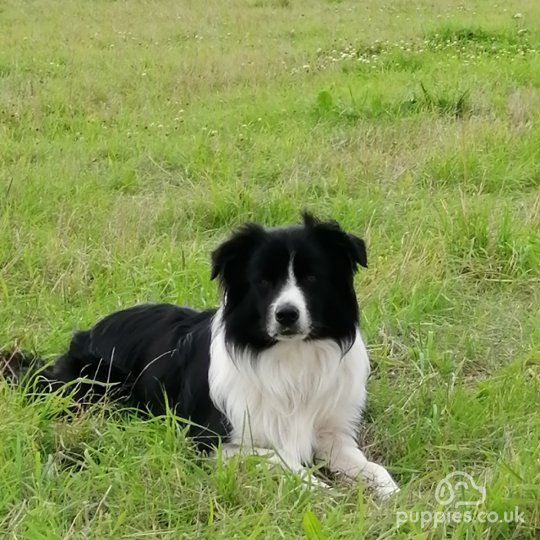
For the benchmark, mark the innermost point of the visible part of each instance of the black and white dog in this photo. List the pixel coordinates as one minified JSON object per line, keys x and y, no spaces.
{"x":279,"y":367}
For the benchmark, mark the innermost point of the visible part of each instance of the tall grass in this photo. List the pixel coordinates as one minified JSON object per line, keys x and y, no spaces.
{"x":135,"y":135}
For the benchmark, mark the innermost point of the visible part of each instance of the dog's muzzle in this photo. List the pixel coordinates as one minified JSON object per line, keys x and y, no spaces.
{"x":286,"y":324}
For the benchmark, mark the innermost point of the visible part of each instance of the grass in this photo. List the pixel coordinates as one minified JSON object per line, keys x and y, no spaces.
{"x":134,"y":135}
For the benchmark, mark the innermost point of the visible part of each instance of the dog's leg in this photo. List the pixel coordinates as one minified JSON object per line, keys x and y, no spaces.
{"x":342,"y":455}
{"x":273,"y":457}
{"x":307,"y":477}
{"x":229,"y":450}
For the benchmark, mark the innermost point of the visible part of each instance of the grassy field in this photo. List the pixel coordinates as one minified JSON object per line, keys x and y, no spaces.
{"x":135,"y":135}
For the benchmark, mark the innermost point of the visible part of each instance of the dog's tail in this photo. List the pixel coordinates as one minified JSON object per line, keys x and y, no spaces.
{"x":79,"y":372}
{"x":27,"y":370}
{"x":18,"y":366}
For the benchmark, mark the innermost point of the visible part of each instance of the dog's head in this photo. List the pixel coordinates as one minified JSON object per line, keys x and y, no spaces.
{"x":291,"y":283}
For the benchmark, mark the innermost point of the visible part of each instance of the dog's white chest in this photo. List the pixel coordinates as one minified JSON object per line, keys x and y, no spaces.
{"x":288,"y":394}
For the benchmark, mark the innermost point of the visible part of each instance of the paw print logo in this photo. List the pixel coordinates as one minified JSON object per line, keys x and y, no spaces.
{"x":458,"y":482}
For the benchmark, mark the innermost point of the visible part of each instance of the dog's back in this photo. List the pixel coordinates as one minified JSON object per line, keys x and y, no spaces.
{"x":154,"y":357}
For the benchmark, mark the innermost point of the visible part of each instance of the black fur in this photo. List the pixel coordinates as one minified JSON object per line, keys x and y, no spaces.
{"x":157,"y":356}
{"x":252,"y":266}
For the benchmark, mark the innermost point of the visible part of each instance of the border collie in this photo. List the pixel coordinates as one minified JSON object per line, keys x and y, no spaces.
{"x":279,"y":368}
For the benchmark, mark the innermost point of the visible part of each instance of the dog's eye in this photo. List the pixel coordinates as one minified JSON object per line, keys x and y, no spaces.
{"x":263,"y":283}
{"x":311,"y":278}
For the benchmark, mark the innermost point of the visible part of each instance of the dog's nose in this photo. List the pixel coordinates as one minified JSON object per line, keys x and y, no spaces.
{"x":287,"y":314}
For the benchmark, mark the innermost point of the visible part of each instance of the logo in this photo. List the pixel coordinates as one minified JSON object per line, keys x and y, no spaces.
{"x":462,"y":500}
{"x":456,"y":483}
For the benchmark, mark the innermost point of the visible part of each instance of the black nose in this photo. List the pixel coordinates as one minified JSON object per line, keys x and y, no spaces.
{"x":287,"y":315}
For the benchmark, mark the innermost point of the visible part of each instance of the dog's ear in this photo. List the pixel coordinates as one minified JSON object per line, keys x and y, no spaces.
{"x":229,"y":259}
{"x":335,"y":237}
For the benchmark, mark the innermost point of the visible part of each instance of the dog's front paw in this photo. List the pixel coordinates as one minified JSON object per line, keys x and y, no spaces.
{"x":387,"y":489}
{"x":311,"y":481}
{"x":381,"y":481}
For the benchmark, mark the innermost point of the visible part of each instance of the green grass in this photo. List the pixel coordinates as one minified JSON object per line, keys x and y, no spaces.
{"x":134,"y":135}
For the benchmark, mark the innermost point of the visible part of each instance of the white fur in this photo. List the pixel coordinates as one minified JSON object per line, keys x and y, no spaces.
{"x":290,"y":294}
{"x":302,"y":399}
